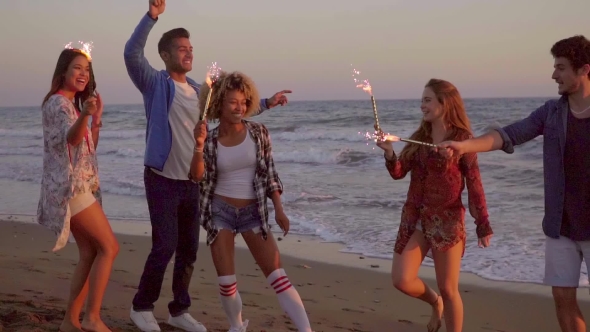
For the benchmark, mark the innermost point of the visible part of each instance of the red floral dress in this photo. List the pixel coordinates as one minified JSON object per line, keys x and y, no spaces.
{"x":434,"y":198}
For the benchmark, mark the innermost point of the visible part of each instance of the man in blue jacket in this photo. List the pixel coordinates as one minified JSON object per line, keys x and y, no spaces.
{"x":171,"y":105}
{"x":565,"y":126}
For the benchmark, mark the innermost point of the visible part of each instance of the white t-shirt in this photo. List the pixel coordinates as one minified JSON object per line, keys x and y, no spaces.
{"x":183,"y":117}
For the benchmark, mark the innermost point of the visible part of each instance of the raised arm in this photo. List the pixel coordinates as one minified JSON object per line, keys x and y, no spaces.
{"x":475,"y":193}
{"x":142,"y":74}
{"x":505,"y":138}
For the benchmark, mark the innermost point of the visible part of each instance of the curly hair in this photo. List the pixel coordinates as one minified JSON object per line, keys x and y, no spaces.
{"x":224,"y":84}
{"x":576,"y":49}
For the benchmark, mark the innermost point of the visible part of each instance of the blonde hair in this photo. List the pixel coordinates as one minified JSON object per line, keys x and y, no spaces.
{"x":453,"y":114}
{"x":234,"y":81}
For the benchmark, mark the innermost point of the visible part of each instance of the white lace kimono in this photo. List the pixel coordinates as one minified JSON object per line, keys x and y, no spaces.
{"x":62,"y":179}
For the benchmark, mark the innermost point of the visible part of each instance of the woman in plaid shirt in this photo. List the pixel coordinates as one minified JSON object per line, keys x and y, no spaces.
{"x":235,"y":169}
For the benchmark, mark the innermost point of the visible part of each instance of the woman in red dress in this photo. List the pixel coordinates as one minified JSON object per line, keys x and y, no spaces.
{"x":433,"y":217}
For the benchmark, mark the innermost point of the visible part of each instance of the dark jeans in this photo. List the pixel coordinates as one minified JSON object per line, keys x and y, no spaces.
{"x":174,"y":215}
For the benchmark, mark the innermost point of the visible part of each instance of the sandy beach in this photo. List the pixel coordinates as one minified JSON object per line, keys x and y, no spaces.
{"x":341,"y":292}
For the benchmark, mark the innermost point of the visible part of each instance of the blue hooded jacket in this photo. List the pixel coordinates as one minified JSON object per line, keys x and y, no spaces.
{"x":157,"y":89}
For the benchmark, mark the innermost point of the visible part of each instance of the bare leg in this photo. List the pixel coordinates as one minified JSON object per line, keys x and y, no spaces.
{"x":568,"y":312}
{"x":265,"y":252}
{"x":92,"y":224}
{"x":79,"y":286}
{"x":447,"y":266}
{"x":404,"y":274}
{"x":222,"y":252}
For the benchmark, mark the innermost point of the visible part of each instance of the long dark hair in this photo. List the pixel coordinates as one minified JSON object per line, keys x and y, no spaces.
{"x":63,"y":62}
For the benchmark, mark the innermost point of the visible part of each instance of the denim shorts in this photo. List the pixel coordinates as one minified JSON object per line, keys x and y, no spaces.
{"x":237,"y":220}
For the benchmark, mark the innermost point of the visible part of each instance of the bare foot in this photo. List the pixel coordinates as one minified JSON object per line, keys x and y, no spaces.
{"x":67,"y":326}
{"x":94,"y":326}
{"x":436,"y":318}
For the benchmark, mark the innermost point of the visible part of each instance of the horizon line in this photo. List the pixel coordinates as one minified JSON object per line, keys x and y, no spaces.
{"x":324,"y":100}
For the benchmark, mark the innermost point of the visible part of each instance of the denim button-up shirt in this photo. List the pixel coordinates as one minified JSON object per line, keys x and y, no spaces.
{"x":549,"y":120}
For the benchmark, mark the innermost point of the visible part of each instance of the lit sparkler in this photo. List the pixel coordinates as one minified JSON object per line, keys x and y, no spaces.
{"x":213,"y":73}
{"x":379,"y":135}
{"x":85,"y":48}
{"x":391,"y":138}
{"x":366,"y":86}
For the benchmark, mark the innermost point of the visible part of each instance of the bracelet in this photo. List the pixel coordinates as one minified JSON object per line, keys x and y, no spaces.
{"x":196,"y":150}
{"x":97,"y":125}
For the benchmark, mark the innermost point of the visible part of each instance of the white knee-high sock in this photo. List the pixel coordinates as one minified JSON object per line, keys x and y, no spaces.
{"x":230,"y":299}
{"x":289,"y":299}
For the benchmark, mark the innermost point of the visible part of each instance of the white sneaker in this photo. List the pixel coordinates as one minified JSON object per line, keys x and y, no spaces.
{"x":240,"y":329}
{"x":187,"y":323}
{"x":145,"y":321}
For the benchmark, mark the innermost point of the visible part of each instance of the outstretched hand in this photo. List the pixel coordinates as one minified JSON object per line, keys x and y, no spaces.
{"x":278,"y":98}
{"x":157,"y":7}
{"x":450,"y":148}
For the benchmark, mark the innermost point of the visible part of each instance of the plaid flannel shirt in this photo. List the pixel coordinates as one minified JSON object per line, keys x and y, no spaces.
{"x":266,"y":178}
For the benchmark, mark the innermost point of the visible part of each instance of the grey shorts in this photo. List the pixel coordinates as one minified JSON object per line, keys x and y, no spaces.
{"x":237,"y":220}
{"x":563,"y":261}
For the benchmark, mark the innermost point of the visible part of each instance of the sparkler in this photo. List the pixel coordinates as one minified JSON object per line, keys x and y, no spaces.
{"x":366,"y":86}
{"x":379,"y":135}
{"x":212,"y":76}
{"x":392,"y":138}
{"x":86,"y":49}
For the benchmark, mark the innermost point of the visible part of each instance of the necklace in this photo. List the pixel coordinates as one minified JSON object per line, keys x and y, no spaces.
{"x":580,"y":112}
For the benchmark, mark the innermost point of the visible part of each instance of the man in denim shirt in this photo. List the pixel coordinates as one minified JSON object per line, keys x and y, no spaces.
{"x":565,"y":126}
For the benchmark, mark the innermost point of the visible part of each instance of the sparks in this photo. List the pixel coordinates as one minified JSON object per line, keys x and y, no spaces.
{"x":361,"y":83}
{"x":85,"y":48}
{"x":213,"y":72}
{"x":379,"y":136}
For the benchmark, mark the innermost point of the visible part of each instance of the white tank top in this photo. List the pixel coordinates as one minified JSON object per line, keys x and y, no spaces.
{"x":236,"y":167}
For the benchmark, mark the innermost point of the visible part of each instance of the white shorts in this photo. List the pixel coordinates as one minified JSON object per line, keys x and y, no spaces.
{"x":80,"y":202}
{"x":563,"y":261}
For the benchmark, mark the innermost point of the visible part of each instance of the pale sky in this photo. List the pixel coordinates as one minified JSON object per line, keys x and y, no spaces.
{"x":488,"y":48}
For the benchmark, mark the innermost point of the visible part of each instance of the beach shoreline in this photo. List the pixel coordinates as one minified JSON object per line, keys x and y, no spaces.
{"x":312,"y":248}
{"x":341,"y":292}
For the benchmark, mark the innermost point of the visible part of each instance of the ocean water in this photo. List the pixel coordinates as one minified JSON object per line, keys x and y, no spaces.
{"x":336,"y":184}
